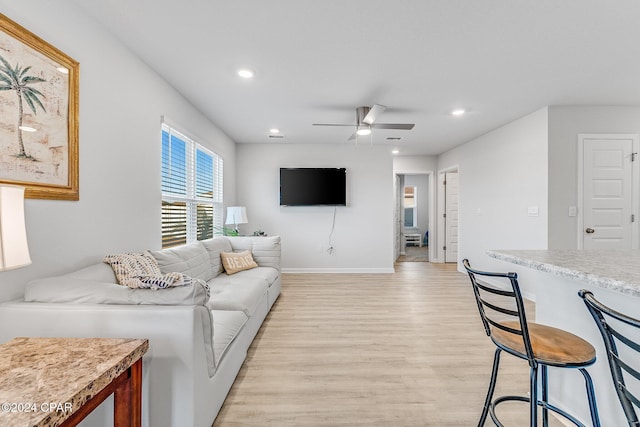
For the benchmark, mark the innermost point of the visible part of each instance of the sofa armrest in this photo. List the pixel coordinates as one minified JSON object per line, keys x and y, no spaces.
{"x":265,"y":249}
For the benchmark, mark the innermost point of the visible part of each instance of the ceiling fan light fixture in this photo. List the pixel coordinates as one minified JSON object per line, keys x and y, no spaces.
{"x":363,"y":130}
{"x":246,"y":73}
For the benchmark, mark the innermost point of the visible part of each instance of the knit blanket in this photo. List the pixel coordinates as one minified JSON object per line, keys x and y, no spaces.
{"x":141,"y":270}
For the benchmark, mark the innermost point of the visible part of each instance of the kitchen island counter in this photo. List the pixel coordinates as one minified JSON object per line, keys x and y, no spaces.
{"x":615,"y":270}
{"x":556,"y":276}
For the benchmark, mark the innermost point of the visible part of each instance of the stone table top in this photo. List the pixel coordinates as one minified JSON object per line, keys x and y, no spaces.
{"x":617,"y":270}
{"x":43,"y":381}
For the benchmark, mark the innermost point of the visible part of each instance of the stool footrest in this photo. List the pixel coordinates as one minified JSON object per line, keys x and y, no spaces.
{"x":544,"y":405}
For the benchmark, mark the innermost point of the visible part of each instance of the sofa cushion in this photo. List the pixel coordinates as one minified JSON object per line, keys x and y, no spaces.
{"x":191,"y":260}
{"x":214,"y":247}
{"x":227,"y":325}
{"x":267,"y":273}
{"x":237,"y":293}
{"x":99,"y":272}
{"x":235,"y":262}
{"x":70,"y":289}
{"x":265,"y":250}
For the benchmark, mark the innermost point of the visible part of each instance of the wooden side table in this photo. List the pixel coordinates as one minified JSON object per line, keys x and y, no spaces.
{"x":59,"y":381}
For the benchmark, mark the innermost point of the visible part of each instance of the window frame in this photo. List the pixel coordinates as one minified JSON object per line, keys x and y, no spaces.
{"x":413,"y":208}
{"x":191,"y":199}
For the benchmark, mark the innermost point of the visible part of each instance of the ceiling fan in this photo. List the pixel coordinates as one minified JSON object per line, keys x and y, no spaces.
{"x":366,"y":121}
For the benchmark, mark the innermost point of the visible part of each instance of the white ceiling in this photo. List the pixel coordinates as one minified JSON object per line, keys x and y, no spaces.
{"x":316,"y":61}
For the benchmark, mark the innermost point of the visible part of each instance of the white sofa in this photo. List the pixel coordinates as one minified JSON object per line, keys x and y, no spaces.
{"x":197,"y":345}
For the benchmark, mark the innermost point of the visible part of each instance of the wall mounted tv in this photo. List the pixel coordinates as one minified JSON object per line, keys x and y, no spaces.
{"x":313,"y":186}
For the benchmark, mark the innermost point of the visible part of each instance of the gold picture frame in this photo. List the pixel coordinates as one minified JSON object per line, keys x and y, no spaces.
{"x":39,"y":94}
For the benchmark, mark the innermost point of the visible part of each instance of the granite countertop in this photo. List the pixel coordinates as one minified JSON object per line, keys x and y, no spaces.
{"x":617,"y":270}
{"x":45,"y":380}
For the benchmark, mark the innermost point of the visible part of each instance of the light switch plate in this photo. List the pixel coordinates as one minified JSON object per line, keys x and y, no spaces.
{"x":532,"y":211}
{"x":573,"y":211}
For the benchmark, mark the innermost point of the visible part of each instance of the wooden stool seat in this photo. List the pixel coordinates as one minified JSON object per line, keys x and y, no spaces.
{"x":551,"y":346}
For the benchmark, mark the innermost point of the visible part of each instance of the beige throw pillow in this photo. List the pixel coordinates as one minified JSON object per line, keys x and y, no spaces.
{"x":234,"y":262}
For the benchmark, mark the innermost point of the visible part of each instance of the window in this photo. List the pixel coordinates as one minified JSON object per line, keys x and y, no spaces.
{"x":410,"y":207}
{"x":191,"y":190}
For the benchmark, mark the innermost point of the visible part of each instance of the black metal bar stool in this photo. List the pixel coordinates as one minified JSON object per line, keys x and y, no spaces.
{"x":609,"y":323}
{"x":541,"y":346}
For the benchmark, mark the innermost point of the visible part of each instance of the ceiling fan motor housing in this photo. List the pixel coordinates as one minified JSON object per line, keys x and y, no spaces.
{"x":361,"y":113}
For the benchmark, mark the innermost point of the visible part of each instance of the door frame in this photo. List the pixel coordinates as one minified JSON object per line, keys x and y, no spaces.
{"x":442,"y":236}
{"x":635,"y":182}
{"x":432,"y":210}
{"x":398,"y":218}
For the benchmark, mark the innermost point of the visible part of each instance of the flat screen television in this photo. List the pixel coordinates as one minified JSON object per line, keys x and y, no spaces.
{"x":313,"y":186}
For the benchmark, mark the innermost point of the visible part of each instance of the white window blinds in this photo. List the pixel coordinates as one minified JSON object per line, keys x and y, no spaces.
{"x":192,"y":183}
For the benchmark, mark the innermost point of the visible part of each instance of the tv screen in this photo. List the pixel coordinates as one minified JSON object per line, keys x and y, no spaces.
{"x":313,"y":186}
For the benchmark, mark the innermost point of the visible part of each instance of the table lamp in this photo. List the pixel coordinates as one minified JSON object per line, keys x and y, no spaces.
{"x":14,"y":251}
{"x":236,"y":215}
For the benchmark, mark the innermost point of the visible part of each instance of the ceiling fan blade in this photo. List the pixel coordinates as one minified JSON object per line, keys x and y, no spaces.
{"x":331,"y":124}
{"x":373,"y":113}
{"x":398,"y":126}
{"x":353,"y":136}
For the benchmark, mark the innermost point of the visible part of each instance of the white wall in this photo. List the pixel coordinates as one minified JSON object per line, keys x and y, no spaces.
{"x":501,"y":174}
{"x":363,"y":235}
{"x":565,"y":123}
{"x":121,"y":103}
{"x":414,"y":164}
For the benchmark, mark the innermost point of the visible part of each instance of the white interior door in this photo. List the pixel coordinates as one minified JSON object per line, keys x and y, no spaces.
{"x":607,"y":192}
{"x":451,"y":216}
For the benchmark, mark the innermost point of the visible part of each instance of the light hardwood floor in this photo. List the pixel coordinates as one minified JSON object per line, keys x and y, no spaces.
{"x":402,"y":349}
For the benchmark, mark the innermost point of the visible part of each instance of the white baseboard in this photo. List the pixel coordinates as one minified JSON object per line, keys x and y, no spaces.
{"x":339,"y":270}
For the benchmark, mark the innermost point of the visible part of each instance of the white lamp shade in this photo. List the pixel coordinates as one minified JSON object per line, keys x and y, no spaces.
{"x":14,"y":251}
{"x":236,"y":215}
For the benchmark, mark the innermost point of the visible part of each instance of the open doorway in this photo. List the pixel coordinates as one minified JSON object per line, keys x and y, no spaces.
{"x":413,"y":216}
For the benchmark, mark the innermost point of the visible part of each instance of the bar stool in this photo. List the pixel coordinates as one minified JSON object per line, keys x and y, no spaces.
{"x":609,"y":322}
{"x":541,"y":346}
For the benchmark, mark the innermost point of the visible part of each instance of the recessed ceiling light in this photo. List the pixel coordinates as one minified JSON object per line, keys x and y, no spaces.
{"x":458,"y":112}
{"x":27,"y":128}
{"x":395,"y":151}
{"x":274,"y":130}
{"x":246,"y":73}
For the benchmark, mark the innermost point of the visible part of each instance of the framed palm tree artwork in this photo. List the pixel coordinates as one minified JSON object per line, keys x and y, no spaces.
{"x":38,"y":115}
